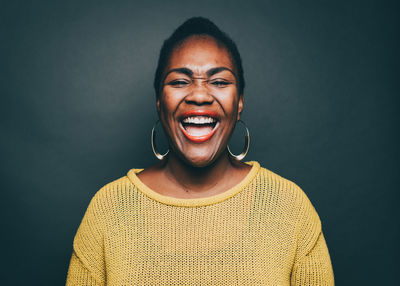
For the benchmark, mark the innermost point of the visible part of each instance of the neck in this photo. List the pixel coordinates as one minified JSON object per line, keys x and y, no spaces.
{"x":197,"y":179}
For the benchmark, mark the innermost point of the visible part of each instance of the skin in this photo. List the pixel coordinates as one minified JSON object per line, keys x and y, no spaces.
{"x":200,"y":75}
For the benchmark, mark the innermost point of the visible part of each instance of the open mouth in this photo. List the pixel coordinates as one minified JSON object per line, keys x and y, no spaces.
{"x":199,"y":127}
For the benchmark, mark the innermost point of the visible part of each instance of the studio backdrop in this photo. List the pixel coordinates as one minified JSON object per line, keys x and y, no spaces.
{"x":77,"y":108}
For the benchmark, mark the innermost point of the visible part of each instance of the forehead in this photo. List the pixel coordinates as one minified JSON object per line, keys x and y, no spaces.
{"x":200,"y":53}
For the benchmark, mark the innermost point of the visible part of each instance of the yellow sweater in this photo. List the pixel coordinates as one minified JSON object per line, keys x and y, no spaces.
{"x":263,"y":231}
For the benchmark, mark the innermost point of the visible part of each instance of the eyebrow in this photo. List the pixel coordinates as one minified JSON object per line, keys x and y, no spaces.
{"x":216,"y":70}
{"x":189,"y":72}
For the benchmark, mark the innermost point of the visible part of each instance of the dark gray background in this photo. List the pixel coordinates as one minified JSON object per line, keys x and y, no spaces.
{"x":77,"y":107}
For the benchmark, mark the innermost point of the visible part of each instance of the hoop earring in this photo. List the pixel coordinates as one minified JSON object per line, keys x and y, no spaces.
{"x":246,"y":145}
{"x":153,"y":145}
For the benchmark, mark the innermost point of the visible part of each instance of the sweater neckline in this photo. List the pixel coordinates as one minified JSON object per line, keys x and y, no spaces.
{"x":196,"y":202}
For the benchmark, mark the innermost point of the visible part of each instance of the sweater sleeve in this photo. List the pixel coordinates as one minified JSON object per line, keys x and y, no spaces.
{"x":87,"y":266}
{"x":312,"y":265}
{"x":78,"y":274}
{"x":315,"y":268}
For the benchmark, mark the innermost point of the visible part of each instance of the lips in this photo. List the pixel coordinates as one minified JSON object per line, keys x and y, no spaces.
{"x":199,"y":125}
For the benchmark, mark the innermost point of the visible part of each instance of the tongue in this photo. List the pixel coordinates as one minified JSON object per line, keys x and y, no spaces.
{"x":198,"y":130}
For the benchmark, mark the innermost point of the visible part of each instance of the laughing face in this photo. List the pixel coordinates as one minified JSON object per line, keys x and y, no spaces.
{"x":199,"y":102}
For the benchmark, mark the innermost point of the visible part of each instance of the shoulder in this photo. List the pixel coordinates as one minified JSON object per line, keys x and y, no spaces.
{"x":107,"y":199}
{"x":113,"y":187}
{"x":291,"y":202}
{"x":113,"y":190}
{"x":106,"y":204}
{"x":285,"y":187}
{"x":289,"y":195}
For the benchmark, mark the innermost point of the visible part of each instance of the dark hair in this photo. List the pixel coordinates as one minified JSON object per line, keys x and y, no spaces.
{"x":191,"y":27}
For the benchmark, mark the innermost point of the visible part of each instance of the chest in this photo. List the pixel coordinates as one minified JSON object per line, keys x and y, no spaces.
{"x":224,"y":245}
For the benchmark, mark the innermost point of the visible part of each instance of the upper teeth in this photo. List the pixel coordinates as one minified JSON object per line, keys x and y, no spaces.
{"x":199,"y":120}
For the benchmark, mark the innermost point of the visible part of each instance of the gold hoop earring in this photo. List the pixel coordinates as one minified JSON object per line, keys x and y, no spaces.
{"x":153,"y":144}
{"x":246,"y":145}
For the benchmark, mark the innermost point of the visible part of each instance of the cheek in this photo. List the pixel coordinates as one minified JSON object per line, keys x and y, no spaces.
{"x":231,"y":105}
{"x":171,"y":98}
{"x":167,"y":104}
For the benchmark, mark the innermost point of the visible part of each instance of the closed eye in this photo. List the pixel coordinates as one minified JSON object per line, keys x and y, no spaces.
{"x":178,"y":83}
{"x":220,"y":83}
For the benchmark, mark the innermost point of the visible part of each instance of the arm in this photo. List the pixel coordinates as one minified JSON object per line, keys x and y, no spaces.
{"x":87,"y":266}
{"x":312,"y":264}
{"x":315,"y":267}
{"x":78,"y":274}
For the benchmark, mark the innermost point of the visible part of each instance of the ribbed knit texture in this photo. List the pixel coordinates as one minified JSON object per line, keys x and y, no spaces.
{"x":264,"y":231}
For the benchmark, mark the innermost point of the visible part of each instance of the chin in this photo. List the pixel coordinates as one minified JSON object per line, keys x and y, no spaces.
{"x":199,"y":160}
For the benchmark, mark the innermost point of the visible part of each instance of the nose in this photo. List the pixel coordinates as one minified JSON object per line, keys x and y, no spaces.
{"x":199,"y":95}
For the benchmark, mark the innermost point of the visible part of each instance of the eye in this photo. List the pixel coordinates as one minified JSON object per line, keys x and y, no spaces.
{"x":179,"y":83}
{"x":220,"y":83}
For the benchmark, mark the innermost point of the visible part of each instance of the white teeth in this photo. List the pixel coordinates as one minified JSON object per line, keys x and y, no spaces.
{"x":199,"y":120}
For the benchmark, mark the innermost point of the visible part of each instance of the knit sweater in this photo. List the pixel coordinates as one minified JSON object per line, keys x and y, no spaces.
{"x":263,"y":231}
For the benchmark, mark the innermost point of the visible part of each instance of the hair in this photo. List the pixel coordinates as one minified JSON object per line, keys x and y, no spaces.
{"x":193,"y":27}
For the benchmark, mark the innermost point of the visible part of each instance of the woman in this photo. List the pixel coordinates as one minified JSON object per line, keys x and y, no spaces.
{"x":200,"y":216}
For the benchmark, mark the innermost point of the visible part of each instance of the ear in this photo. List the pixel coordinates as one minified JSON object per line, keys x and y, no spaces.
{"x":240,"y":106}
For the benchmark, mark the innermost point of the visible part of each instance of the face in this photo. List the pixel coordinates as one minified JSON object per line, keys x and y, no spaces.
{"x":199,"y":103}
